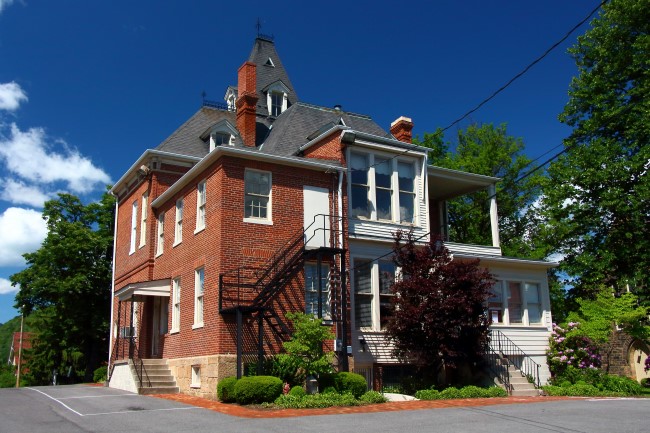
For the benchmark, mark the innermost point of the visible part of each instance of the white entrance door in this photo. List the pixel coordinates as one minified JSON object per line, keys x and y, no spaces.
{"x":317,"y":221}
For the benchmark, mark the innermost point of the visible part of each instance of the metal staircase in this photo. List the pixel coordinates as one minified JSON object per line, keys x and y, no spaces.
{"x":249,"y":293}
{"x":518,"y":373}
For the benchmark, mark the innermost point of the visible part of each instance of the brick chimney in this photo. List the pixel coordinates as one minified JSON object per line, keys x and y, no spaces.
{"x":402,"y":129}
{"x":246,"y":102}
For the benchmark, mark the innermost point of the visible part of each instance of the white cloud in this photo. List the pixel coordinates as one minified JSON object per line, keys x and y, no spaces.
{"x":17,"y":192}
{"x":29,"y":155}
{"x":11,"y":94}
{"x":6,"y":288}
{"x":21,"y":231}
{"x":4,"y":3}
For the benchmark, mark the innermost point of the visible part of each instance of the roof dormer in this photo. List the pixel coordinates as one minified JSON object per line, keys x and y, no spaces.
{"x":276,"y":98}
{"x":222,"y":133}
{"x":231,"y":97}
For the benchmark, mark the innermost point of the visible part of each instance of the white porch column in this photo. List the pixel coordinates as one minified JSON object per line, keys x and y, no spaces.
{"x":494,"y":217}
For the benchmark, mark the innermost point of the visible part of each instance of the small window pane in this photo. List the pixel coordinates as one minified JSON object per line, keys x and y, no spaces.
{"x":514,"y":302}
{"x":360,"y":205}
{"x":534,"y":305}
{"x":386,"y":281}
{"x":384,"y":204}
{"x":359,"y":169}
{"x":362,"y":294}
{"x":406,"y":176}
{"x":383,"y":172}
{"x":406,"y":206}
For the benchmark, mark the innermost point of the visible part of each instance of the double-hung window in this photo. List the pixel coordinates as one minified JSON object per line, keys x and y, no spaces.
{"x":143,"y":219}
{"x":176,"y":304}
{"x":359,"y":170}
{"x":257,"y":201}
{"x":406,"y":182}
{"x":160,"y":243}
{"x":199,"y":285}
{"x":178,"y":227}
{"x":312,"y":294}
{"x":134,"y":226}
{"x":373,"y":281}
{"x":382,"y":188}
{"x":515,"y":303}
{"x":277,"y":101}
{"x":200,"y":206}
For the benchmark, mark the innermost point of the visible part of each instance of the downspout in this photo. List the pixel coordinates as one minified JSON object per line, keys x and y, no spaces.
{"x":343,"y":360}
{"x":110,"y":329}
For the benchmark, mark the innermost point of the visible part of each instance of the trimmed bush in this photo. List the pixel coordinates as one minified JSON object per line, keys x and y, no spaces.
{"x":353,"y":383}
{"x":297,"y":391}
{"x":472,"y":392}
{"x":316,"y":401}
{"x":428,"y":394}
{"x":226,"y":390}
{"x":329,"y":390}
{"x":496,"y":391}
{"x":466,"y":392}
{"x":100,"y":374}
{"x":451,"y":392}
{"x":257,"y":389}
{"x":373,"y":397}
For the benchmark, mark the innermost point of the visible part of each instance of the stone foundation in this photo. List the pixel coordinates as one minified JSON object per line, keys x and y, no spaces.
{"x":213,"y":369}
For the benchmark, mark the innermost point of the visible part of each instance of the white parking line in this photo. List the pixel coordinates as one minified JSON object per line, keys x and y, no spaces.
{"x":58,"y":401}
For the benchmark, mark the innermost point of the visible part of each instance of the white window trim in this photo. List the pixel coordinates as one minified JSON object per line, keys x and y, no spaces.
{"x":502,"y":284}
{"x":269,"y":212}
{"x":197,"y":294}
{"x":277,"y":88}
{"x":372,"y":187}
{"x":176,"y":305}
{"x":195,"y":376}
{"x":328,"y":290}
{"x":375,"y":305}
{"x":160,"y":238}
{"x":144,"y":213}
{"x":178,"y":224}
{"x":201,"y":205}
{"x":134,"y":226}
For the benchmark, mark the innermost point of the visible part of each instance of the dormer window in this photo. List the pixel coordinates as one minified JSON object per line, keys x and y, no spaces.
{"x":276,"y":98}
{"x":221,"y":134}
{"x":230,"y":98}
{"x":270,"y":63}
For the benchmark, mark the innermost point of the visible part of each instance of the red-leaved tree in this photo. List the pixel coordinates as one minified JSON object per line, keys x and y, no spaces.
{"x":439,"y":321}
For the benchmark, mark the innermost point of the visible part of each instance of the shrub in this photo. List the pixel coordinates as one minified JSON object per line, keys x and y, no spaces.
{"x":621,"y":384}
{"x":473,"y":392}
{"x":297,"y":391}
{"x":451,"y":392}
{"x":226,"y":390}
{"x":373,"y":397}
{"x":645,"y":382}
{"x":428,"y":394}
{"x":315,"y":401}
{"x":329,"y":390}
{"x":100,"y":374}
{"x":596,"y":378}
{"x":352,"y":383}
{"x":496,"y":391}
{"x":257,"y":389}
{"x":326,"y":380}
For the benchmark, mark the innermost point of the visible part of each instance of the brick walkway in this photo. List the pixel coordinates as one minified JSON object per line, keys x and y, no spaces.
{"x":246,"y":412}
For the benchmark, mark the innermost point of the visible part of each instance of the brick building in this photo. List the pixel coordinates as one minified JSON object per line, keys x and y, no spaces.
{"x":263,"y":205}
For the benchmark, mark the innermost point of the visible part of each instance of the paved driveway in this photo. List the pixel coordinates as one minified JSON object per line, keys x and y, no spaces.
{"x":80,"y":408}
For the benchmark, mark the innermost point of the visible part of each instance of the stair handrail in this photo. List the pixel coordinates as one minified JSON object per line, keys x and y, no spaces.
{"x":522,"y":361}
{"x":495,"y":363}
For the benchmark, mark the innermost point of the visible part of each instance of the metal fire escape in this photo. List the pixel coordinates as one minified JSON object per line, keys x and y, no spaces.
{"x":250,"y":292}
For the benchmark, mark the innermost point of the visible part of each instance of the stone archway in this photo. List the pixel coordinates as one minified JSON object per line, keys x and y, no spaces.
{"x":638,"y":352}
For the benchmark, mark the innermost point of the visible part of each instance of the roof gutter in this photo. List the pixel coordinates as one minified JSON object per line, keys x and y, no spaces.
{"x":387,"y":141}
{"x":321,"y":136}
{"x":240,"y":153}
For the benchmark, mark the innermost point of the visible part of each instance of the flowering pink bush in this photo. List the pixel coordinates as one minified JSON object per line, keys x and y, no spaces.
{"x":570,"y":350}
{"x":647,"y":363}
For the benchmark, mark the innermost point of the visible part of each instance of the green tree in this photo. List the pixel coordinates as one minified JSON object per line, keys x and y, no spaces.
{"x":67,"y":287}
{"x":439,"y":321}
{"x":596,"y":197}
{"x":490,"y":151}
{"x":304,"y":352}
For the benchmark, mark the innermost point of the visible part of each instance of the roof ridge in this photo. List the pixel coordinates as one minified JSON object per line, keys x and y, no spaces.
{"x":333,"y":110}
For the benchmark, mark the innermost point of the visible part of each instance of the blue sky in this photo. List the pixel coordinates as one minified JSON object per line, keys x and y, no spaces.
{"x":87,"y":86}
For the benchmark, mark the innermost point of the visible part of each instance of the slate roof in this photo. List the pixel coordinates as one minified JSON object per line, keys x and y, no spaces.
{"x":301,"y":122}
{"x":262,"y":51}
{"x":186,"y":140}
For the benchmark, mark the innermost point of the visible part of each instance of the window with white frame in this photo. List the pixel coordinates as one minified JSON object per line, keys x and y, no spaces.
{"x":200,"y":206}
{"x":257,"y":201}
{"x":382,"y":188}
{"x":160,"y":243}
{"x":196,"y":376}
{"x":143,"y":219}
{"x":176,"y":304}
{"x":277,"y":101}
{"x":199,"y":286}
{"x":515,"y":303}
{"x":312,"y":291}
{"x":178,"y":227}
{"x":134,"y":226}
{"x":219,"y":139}
{"x":360,"y":187}
{"x":373,"y":281}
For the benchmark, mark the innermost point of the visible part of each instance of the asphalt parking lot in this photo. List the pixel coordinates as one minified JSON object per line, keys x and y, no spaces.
{"x":80,"y":408}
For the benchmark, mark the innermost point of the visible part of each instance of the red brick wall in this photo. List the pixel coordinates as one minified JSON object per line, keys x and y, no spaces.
{"x":329,"y":148}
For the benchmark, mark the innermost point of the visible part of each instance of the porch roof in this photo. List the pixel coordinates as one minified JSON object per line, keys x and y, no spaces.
{"x":143,"y":289}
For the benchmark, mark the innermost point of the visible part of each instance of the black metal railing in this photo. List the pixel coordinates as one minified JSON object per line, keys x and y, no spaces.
{"x":506,"y":348}
{"x":218,"y":105}
{"x":499,"y":366}
{"x":138,"y":363}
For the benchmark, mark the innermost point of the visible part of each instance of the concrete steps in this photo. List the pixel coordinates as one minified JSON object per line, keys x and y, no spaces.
{"x":520,"y":385}
{"x":157,"y":378}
